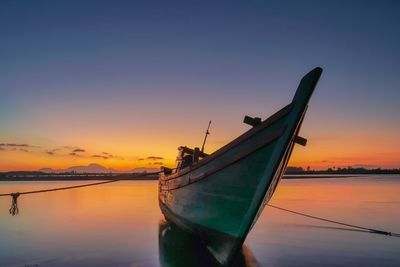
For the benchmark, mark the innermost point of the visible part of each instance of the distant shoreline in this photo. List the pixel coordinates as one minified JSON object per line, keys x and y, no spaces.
{"x":318,"y":176}
{"x":290,"y":170}
{"x":155,"y":177}
{"x":50,"y":179}
{"x":291,"y":173}
{"x":75,"y":177}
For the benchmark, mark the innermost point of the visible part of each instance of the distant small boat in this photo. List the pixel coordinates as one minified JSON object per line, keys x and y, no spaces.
{"x":219,"y":197}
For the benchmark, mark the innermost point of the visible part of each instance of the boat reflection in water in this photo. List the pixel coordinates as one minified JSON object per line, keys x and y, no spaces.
{"x":180,"y":248}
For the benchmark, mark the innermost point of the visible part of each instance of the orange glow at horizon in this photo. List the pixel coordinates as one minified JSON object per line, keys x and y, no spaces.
{"x":319,"y":153}
{"x":328,"y":145}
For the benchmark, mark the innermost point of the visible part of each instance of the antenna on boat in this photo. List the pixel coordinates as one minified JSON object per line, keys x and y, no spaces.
{"x":205,"y":137}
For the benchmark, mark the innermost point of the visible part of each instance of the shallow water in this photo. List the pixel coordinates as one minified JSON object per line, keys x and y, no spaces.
{"x":120,"y":224}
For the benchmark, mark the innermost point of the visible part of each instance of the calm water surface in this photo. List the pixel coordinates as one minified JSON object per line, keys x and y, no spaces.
{"x":120,"y":224}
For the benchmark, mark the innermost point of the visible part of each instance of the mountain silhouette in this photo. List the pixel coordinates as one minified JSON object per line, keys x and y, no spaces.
{"x":91,"y":168}
{"x":97,"y":168}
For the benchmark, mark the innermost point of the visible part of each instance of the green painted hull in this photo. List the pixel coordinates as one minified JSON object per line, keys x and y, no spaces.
{"x":220,"y":198}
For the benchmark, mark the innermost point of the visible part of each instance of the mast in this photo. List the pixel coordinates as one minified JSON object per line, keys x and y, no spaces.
{"x":205,"y":137}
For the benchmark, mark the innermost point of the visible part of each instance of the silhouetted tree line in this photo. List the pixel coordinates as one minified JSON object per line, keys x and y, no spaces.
{"x":348,"y":170}
{"x":43,"y":176}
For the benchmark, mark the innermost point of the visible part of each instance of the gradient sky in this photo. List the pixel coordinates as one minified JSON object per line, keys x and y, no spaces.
{"x":137,"y":79}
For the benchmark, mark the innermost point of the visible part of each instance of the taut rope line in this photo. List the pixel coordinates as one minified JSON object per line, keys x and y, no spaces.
{"x":58,"y":188}
{"x":370,"y":230}
{"x":14,"y":205}
{"x":76,"y":186}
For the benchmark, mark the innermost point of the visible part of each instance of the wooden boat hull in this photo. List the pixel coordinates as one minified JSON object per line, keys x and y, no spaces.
{"x":220,"y":198}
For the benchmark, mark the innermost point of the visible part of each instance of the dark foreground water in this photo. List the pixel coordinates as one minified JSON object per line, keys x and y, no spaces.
{"x":120,"y":224}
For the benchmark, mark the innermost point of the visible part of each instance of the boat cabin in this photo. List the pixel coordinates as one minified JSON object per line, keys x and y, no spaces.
{"x":186,"y":158}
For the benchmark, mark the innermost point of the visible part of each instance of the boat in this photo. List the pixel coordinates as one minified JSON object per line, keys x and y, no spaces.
{"x":219,"y":197}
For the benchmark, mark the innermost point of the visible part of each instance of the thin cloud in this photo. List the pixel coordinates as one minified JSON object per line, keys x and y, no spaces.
{"x":69,"y":147}
{"x":100,"y":156}
{"x":74,"y":154}
{"x":78,"y":150}
{"x":53,"y":151}
{"x":17,"y":145}
{"x":105,"y":155}
{"x":158,"y":163}
{"x":154,"y":158}
{"x":108,"y":155}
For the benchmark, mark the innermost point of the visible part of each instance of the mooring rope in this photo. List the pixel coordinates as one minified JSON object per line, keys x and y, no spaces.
{"x":370,"y":230}
{"x":14,"y":205}
{"x":58,"y":188}
{"x":14,"y":210}
{"x":77,"y":186}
